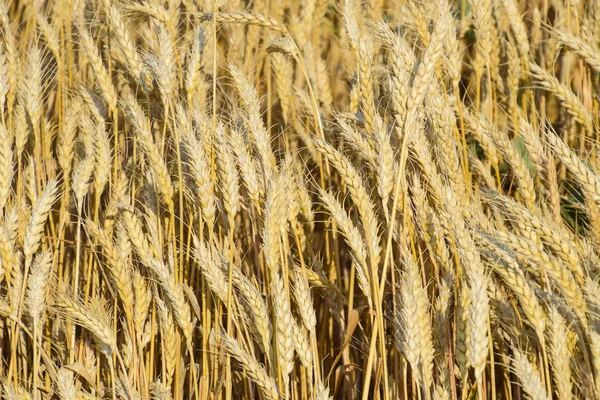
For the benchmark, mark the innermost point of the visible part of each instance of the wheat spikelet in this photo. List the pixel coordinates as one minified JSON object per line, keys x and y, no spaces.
{"x":257,"y":308}
{"x":364,"y":53}
{"x":420,"y":146}
{"x":528,"y":377}
{"x":84,"y":169}
{"x":163,"y":66}
{"x":169,"y":339}
{"x":94,"y":319}
{"x":322,"y":392}
{"x":102,"y":76}
{"x":276,"y":213}
{"x":558,"y":273}
{"x":256,"y":373}
{"x":302,"y":346}
{"x":359,"y":195}
{"x":533,"y":143}
{"x":482,"y":22}
{"x":65,"y":385}
{"x":508,"y":268}
{"x":424,"y":75}
{"x":6,"y":166}
{"x":138,"y":238}
{"x":36,"y":286}
{"x":66,"y":137}
{"x":518,"y":27}
{"x":155,"y":161}
{"x":15,"y":393}
{"x":407,"y":335}
{"x":228,"y":174}
{"x":385,"y":161}
{"x":160,"y":391}
{"x":211,"y":269}
{"x":303,"y":196}
{"x":510,"y":155}
{"x":554,"y":236}
{"x":354,"y":240}
{"x":194,"y":62}
{"x":569,"y":99}
{"x":454,"y":55}
{"x":126,"y":45}
{"x":117,"y":255}
{"x":441,"y":117}
{"x":284,"y":329}
{"x":103,"y":159}
{"x":39,"y":215}
{"x":441,"y":316}
{"x":414,"y":289}
{"x":31,"y":93}
{"x":304,"y":302}
{"x":478,"y":310}
{"x":4,"y":78}
{"x":560,"y":355}
{"x":583,"y":49}
{"x":141,"y":306}
{"x":247,"y":166}
{"x":8,"y":238}
{"x":401,"y":65}
{"x":282,"y":70}
{"x":199,"y":166}
{"x":174,"y":293}
{"x":243,"y":18}
{"x":256,"y":128}
{"x":360,"y":143}
{"x":49,"y":33}
{"x":595,"y":352}
{"x":584,"y":175}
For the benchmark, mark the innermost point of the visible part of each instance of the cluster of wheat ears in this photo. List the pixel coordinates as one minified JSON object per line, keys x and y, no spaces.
{"x":290,"y":199}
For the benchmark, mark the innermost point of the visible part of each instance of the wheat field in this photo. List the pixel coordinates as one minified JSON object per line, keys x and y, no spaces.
{"x":316,"y":199}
